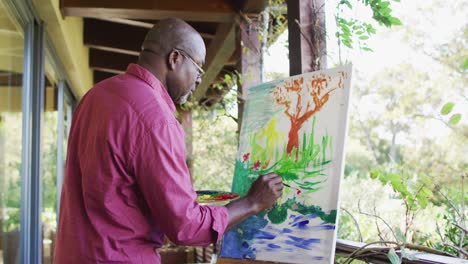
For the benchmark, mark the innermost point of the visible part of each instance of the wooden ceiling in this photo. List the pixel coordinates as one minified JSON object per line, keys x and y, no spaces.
{"x":115,"y":29}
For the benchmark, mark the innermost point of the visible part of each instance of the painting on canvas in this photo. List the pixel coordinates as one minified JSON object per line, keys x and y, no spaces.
{"x":294,"y":127}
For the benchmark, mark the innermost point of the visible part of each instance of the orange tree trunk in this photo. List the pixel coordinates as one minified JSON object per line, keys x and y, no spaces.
{"x":293,"y":137}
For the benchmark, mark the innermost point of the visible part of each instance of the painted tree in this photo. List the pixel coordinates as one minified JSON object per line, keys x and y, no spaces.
{"x":302,"y":101}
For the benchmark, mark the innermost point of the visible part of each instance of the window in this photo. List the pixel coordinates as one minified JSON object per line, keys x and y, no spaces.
{"x":11,"y":69}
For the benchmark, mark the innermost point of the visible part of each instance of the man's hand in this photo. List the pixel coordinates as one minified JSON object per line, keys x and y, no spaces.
{"x":265,"y":191}
{"x":262,"y":195}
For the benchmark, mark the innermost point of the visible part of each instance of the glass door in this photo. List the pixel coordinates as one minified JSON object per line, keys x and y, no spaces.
{"x":11,"y":115}
{"x":58,"y":110}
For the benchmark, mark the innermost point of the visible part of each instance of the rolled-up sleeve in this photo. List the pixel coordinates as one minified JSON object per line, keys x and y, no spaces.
{"x":160,"y":169}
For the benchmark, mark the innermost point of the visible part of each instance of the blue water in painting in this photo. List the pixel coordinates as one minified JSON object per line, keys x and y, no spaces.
{"x":296,"y":236}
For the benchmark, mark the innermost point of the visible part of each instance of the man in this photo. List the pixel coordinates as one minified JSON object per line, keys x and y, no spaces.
{"x":126,"y":182}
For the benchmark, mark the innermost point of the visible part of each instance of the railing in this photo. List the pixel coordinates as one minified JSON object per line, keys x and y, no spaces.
{"x":344,"y":248}
{"x":378,"y":254}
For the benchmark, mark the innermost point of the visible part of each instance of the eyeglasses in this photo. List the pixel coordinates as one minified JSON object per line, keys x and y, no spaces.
{"x":201,"y":72}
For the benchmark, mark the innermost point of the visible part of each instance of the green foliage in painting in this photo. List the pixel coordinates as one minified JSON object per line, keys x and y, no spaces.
{"x":306,"y":172}
{"x":302,"y":173}
{"x":278,"y":214}
{"x":265,"y":144}
{"x":295,"y":206}
{"x":242,"y":186}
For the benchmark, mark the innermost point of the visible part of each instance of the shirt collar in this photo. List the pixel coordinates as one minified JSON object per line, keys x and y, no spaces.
{"x":143,"y":74}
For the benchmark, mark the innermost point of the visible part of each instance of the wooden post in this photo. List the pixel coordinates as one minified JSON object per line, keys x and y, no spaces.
{"x":306,"y":29}
{"x":249,"y":65}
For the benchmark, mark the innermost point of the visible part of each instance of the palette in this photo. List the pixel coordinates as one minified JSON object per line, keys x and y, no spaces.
{"x":215,"y":197}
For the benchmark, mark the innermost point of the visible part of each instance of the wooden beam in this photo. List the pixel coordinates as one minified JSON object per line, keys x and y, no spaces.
{"x":233,"y":60}
{"x":110,"y":61}
{"x":200,"y":10}
{"x":15,"y":79}
{"x":8,"y":79}
{"x":130,"y":22}
{"x":219,"y":52}
{"x":11,"y":98}
{"x":250,"y":6}
{"x":100,"y":76}
{"x":112,"y":35}
{"x":105,"y":35}
{"x":306,"y":33}
{"x":148,"y":24}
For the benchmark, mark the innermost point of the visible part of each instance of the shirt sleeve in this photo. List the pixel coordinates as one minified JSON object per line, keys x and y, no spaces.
{"x":163,"y":177}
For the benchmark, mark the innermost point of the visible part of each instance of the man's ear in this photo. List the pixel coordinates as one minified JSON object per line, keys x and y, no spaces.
{"x":173,"y":59}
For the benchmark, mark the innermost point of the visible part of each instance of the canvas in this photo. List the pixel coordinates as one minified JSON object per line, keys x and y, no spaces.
{"x":294,"y":127}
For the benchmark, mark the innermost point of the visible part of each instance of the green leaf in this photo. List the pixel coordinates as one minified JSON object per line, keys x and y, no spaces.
{"x":363,"y":37}
{"x":395,"y":21}
{"x":408,"y":255}
{"x":347,"y":3}
{"x":347,"y":43}
{"x":454,"y":119}
{"x":393,"y":177}
{"x":345,"y":28}
{"x":367,"y":49}
{"x":422,"y":199}
{"x":399,"y":187}
{"x":385,"y":4}
{"x":447,"y":108}
{"x":385,"y":11}
{"x":371,"y":29}
{"x":400,"y":236}
{"x":465,"y":63}
{"x":374,"y":174}
{"x":393,"y":257}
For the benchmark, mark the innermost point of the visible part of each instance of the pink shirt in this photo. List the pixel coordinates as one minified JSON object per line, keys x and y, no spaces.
{"x":126,"y":181}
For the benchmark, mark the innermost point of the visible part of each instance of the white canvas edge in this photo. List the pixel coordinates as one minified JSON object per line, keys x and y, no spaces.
{"x":343,"y":140}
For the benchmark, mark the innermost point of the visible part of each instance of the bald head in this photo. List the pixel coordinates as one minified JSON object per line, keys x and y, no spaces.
{"x":174,"y":52}
{"x":174,"y":33}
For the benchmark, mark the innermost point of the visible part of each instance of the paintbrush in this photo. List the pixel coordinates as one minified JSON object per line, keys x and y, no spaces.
{"x":298,"y":191}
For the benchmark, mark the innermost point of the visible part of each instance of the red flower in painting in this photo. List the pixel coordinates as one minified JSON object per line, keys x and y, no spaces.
{"x":256,"y":165}
{"x":298,"y":192}
{"x":246,"y":157}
